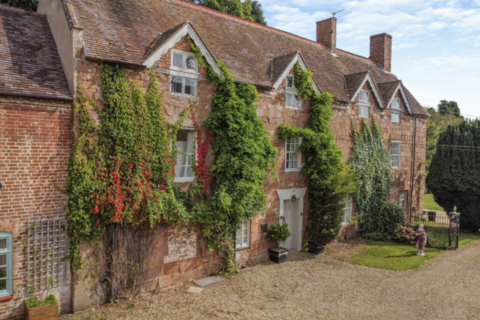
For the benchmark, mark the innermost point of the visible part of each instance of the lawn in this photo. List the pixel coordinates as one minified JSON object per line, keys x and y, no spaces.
{"x":393,"y":256}
{"x":396,"y":256}
{"x":429,"y":203}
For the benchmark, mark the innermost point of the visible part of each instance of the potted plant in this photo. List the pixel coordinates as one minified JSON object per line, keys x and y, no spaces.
{"x":41,"y":309}
{"x":278,"y":233}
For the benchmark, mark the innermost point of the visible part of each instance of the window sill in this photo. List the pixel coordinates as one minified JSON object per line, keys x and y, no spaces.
{"x":242,"y":248}
{"x":292,"y":108}
{"x":6,"y":298}
{"x":292,"y":170}
{"x":364,"y":117}
{"x":184,"y":179}
{"x":186,"y":95}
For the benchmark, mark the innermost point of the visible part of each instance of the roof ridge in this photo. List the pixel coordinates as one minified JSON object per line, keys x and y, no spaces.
{"x":33,"y":13}
{"x":389,"y":82}
{"x":356,"y":55}
{"x":354,"y":74}
{"x":244,"y":21}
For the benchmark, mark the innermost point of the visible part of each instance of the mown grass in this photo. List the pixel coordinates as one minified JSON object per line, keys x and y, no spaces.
{"x":429,"y":203}
{"x":393,"y":256}
{"x":396,"y":256}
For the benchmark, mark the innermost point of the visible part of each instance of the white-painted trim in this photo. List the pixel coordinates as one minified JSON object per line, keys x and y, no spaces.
{"x":374,"y":89}
{"x":399,"y":154}
{"x":188,"y":179}
{"x":286,"y":194}
{"x":187,"y":29}
{"x":286,"y":72}
{"x":404,"y":96}
{"x":299,"y":158}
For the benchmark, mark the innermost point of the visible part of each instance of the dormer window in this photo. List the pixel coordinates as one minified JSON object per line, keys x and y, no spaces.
{"x":396,"y":114}
{"x":184,"y":73}
{"x":292,"y":99}
{"x":364,"y":104}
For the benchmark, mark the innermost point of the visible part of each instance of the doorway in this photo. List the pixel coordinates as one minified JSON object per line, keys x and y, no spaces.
{"x":293,"y":217}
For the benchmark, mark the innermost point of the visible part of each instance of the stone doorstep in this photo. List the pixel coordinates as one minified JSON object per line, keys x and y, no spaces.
{"x":204,"y":282}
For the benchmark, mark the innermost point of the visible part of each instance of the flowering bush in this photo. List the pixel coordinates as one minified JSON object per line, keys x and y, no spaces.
{"x":404,"y":234}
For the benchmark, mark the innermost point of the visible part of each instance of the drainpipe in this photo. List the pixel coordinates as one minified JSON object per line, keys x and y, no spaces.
{"x":412,"y":180}
{"x":112,"y":233}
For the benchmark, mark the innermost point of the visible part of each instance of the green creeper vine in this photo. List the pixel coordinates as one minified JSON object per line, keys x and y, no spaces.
{"x":121,"y":170}
{"x":370,"y":162}
{"x":245,"y":156}
{"x":329,"y":180}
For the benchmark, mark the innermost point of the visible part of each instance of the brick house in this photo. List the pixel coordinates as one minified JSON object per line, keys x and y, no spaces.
{"x":35,"y":143}
{"x":143,"y":35}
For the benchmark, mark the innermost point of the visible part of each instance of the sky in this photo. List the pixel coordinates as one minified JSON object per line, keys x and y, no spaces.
{"x":436,"y":43}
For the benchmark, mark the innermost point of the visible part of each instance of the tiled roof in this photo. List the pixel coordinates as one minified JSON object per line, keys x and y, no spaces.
{"x":125,"y":30}
{"x":29,"y":60}
{"x":279,"y":64}
{"x":354,"y":81}
{"x":387,"y":90}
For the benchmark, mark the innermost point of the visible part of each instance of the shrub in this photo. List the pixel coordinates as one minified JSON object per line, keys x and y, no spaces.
{"x":278,"y":233}
{"x":34,"y":302}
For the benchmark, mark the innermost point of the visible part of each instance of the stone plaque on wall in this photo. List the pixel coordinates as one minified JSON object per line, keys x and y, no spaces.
{"x":182,"y":244}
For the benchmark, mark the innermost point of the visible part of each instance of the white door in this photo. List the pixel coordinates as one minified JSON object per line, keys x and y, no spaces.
{"x":293,"y":218}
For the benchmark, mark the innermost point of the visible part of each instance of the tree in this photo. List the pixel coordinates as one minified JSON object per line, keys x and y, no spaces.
{"x":247,"y":9}
{"x":436,"y":124}
{"x":449,"y":107}
{"x":454,"y":175}
{"x":30,"y":5}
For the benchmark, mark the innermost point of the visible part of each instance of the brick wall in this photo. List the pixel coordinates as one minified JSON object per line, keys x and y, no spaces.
{"x":181,"y":254}
{"x":35,"y":140}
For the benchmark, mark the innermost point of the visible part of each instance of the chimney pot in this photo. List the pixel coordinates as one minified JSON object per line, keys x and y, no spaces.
{"x":381,"y":50}
{"x":327,"y":33}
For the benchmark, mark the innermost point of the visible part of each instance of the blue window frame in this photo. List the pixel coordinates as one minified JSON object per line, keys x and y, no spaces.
{"x":6,"y":264}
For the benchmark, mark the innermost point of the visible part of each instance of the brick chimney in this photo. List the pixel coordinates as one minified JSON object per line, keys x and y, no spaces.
{"x":327,"y":33}
{"x":381,"y":50}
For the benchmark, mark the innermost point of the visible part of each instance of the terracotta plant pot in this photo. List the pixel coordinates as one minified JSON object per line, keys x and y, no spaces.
{"x":315,"y":248}
{"x":49,"y":312}
{"x":278,"y":255}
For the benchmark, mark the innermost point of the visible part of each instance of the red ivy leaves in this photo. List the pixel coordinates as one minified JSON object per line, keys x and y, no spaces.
{"x":202,"y":152}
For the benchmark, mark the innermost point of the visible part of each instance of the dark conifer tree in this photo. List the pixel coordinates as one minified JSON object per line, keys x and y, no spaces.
{"x":454,"y":175}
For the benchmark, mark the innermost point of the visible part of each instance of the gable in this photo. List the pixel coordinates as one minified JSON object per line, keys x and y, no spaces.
{"x":167,"y":41}
{"x":285,"y":65}
{"x":369,"y":84}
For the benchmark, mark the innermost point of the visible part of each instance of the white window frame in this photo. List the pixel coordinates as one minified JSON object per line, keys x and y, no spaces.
{"x":403,"y":199}
{"x":399,"y":154}
{"x":395,"y":115}
{"x":364,"y":106}
{"x":293,"y":92}
{"x":243,"y":232}
{"x":8,"y":252}
{"x":347,"y":210}
{"x":184,"y":73}
{"x":298,"y":153}
{"x":187,"y":179}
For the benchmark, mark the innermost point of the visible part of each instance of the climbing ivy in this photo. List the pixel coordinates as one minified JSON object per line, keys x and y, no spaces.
{"x":370,"y":162}
{"x":245,"y":156}
{"x":121,"y":169}
{"x":328,"y":176}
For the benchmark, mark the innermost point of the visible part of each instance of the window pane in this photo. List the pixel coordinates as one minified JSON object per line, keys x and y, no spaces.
{"x":395,"y":117}
{"x":298,"y":101}
{"x":396,"y":103}
{"x":364,"y":111}
{"x":3,"y":272}
{"x":185,"y":141}
{"x":364,"y":96}
{"x":3,"y":260}
{"x":238,"y":238}
{"x":176,"y":84}
{"x":3,"y":284}
{"x":191,"y":63}
{"x":290,"y":83}
{"x":3,"y":244}
{"x":190,"y":86}
{"x":177,"y":60}
{"x":289,"y":100}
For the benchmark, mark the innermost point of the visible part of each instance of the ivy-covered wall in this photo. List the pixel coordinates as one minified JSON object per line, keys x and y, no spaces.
{"x":272,"y":112}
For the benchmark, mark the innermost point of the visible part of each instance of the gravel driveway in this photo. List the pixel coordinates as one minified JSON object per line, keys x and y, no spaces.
{"x":446,"y":287}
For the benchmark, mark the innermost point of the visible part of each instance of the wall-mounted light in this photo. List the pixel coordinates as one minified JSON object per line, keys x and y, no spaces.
{"x":294,"y":198}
